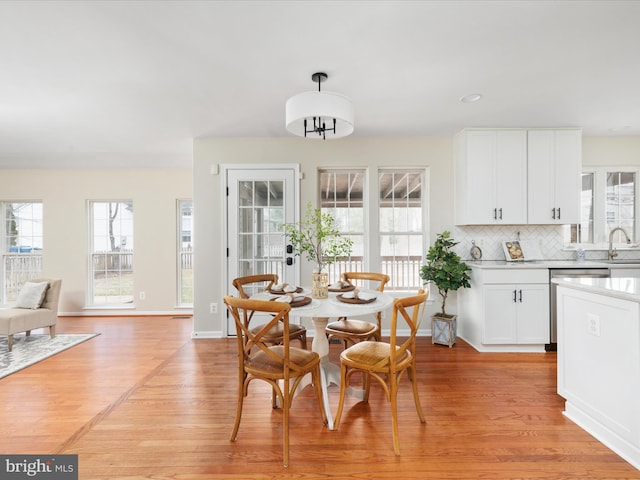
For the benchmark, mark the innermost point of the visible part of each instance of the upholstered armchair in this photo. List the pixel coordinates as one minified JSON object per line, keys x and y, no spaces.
{"x":26,"y":318}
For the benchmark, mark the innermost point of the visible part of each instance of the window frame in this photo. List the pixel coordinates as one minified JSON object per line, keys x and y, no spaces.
{"x":600,"y":226}
{"x":181,"y":252}
{"x":33,"y":260}
{"x":372,"y":258}
{"x":91,"y":287}
{"x":423,"y":232}
{"x":335,"y":270}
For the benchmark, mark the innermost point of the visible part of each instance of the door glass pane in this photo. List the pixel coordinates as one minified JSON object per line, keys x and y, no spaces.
{"x":245,"y":220}
{"x":260,"y":214}
{"x":245,"y":193}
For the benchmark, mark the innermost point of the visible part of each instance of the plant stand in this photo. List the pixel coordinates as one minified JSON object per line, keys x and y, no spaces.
{"x":444,"y":329}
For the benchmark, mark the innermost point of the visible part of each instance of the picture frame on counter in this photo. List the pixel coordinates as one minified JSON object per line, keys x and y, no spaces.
{"x":521,"y":251}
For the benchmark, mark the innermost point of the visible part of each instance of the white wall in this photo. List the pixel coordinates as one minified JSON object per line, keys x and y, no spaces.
{"x":616,"y":151}
{"x":64,"y":193}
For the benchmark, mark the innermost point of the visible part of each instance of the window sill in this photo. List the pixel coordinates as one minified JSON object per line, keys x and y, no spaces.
{"x":621,"y":247}
{"x":110,"y":307}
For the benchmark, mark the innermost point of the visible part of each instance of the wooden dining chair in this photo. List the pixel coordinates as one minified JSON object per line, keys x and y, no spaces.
{"x":281,"y":366}
{"x":386,"y":362}
{"x":351,"y":330}
{"x":252,"y":284}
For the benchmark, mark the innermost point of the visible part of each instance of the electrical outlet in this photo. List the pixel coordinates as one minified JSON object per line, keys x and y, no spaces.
{"x":213,"y":308}
{"x":593,"y":324}
{"x":142,"y":296}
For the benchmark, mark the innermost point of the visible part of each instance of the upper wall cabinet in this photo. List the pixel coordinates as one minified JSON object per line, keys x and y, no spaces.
{"x":554,"y":166}
{"x":517,"y":176}
{"x":491,"y":176}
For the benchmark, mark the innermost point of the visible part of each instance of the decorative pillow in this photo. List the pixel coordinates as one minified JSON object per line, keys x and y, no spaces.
{"x":32,"y":295}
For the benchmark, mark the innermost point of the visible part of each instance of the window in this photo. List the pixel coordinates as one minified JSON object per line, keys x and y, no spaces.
{"x":607,"y":201}
{"x":389,"y":236}
{"x":341,"y":194}
{"x":111,"y":265}
{"x":21,"y":246}
{"x":401,"y":226}
{"x":185,"y":253}
{"x":620,"y":204}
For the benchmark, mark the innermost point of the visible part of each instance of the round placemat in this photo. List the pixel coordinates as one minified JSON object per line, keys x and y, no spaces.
{"x":354,"y":300}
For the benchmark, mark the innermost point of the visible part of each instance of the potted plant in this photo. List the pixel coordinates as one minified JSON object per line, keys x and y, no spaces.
{"x":317,"y":237}
{"x":447,"y":272}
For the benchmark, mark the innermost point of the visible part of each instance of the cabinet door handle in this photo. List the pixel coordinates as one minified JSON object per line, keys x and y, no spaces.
{"x":501,"y":214}
{"x":520,"y":296}
{"x":495,"y":213}
{"x":514,"y":296}
{"x":553,"y":213}
{"x":558,"y":213}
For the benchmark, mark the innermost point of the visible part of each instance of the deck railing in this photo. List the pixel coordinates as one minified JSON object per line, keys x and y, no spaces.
{"x":17,"y":268}
{"x":404,"y":273}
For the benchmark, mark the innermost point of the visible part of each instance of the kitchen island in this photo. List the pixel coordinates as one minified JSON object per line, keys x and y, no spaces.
{"x":599,"y":359}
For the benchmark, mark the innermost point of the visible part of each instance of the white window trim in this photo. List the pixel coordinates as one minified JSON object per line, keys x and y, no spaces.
{"x":600,"y":237}
{"x":89,"y":301}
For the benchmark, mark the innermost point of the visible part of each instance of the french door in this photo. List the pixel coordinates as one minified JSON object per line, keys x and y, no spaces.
{"x":259,"y":201}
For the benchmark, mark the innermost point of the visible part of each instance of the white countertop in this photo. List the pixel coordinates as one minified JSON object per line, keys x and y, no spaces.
{"x":487,"y":264}
{"x":625,"y":288}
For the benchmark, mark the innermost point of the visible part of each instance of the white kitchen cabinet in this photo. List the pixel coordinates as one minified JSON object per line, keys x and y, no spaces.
{"x":554,"y":165}
{"x":491,"y":176}
{"x":516,"y":314}
{"x":505,"y":309}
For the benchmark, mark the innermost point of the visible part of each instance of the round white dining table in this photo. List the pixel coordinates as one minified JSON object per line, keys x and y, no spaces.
{"x":320,"y":311}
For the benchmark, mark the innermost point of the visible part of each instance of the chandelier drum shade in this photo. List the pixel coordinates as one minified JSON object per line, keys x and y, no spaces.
{"x":318,"y":114}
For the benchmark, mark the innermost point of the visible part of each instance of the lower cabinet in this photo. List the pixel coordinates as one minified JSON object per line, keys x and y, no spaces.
{"x":505,"y":309}
{"x":517,"y":313}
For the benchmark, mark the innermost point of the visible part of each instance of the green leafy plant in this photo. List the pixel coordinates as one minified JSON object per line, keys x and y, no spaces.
{"x":444,"y":268}
{"x":317,"y":237}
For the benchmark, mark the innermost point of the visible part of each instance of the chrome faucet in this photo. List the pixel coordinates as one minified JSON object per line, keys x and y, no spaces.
{"x":612,"y":251}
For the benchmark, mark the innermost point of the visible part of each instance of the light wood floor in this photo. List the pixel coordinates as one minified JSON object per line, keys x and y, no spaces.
{"x":143,"y":400}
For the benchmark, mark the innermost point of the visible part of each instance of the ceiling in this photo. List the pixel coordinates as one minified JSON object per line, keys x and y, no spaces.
{"x":131,"y":83}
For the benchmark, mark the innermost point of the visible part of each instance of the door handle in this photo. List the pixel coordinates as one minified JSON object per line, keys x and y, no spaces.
{"x":553,"y":213}
{"x":501,"y":214}
{"x":558,"y":213}
{"x":514,"y":296}
{"x":520,"y":296}
{"x":495,"y":213}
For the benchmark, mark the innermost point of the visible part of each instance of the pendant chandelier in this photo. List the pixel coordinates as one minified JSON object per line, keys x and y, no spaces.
{"x":318,"y":114}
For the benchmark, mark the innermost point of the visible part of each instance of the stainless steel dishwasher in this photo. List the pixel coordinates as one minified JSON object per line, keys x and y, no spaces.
{"x":594,"y":272}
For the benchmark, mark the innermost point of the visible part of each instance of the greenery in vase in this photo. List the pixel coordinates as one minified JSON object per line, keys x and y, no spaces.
{"x":444,"y":268}
{"x":317,"y":237}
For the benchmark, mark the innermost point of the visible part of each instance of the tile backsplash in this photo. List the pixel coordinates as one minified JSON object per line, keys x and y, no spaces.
{"x":490,"y":237}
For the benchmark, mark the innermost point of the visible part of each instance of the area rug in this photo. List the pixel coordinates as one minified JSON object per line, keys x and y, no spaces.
{"x":31,"y":349}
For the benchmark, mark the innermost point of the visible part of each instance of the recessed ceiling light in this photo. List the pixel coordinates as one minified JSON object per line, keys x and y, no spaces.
{"x":472,"y":97}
